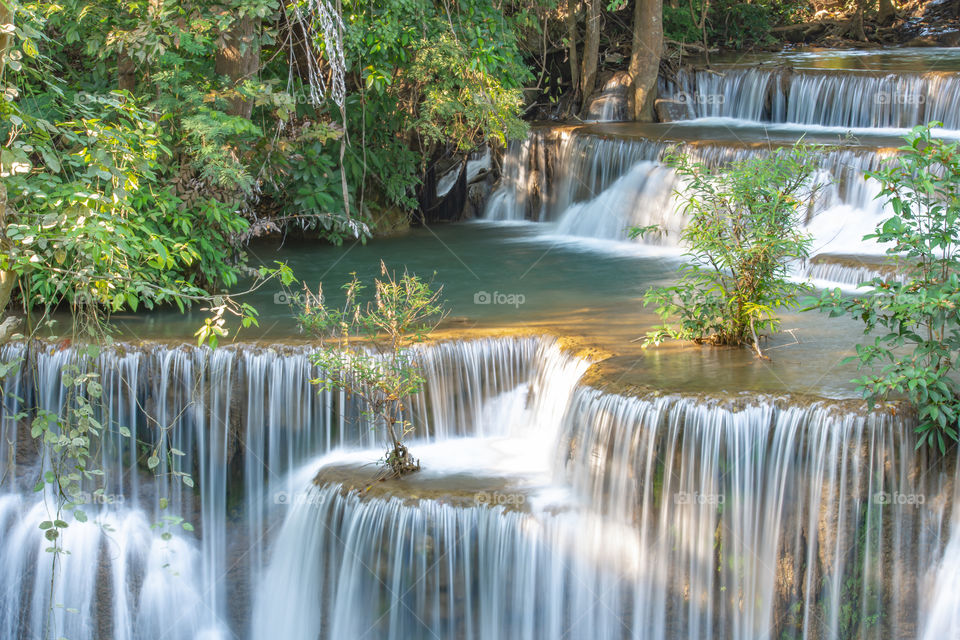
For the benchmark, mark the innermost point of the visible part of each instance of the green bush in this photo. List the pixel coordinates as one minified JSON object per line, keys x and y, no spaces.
{"x":731,"y":23}
{"x":738,"y":24}
{"x":679,"y":25}
{"x":915,"y":323}
{"x":744,"y":230}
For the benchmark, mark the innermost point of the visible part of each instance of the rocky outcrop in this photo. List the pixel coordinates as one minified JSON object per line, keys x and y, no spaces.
{"x":457,"y":187}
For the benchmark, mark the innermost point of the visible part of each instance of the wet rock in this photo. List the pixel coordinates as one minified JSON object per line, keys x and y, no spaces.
{"x":479,"y":165}
{"x":669,"y":110}
{"x":610,"y":104}
{"x":457,"y":489}
{"x":477,"y":195}
{"x":446,"y":195}
{"x":443,"y":192}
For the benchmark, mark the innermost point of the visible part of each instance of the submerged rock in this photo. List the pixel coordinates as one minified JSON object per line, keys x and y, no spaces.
{"x":455,"y":489}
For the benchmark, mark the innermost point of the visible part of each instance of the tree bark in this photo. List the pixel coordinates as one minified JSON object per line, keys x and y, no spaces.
{"x":571,"y":20}
{"x":645,"y":57}
{"x":591,"y":52}
{"x":238,"y":58}
{"x":6,"y":17}
{"x":126,"y":72}
{"x":887,"y":12}
{"x":7,"y":278}
{"x":855,"y":30}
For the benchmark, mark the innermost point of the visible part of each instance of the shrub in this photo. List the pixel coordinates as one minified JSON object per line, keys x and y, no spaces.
{"x":914,"y":321}
{"x":744,"y":229}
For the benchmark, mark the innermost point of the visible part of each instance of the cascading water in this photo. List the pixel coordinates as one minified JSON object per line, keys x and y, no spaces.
{"x":681,"y":517}
{"x":603,"y":185}
{"x":662,"y":517}
{"x":764,"y":517}
{"x":833,"y":99}
{"x":742,"y":94}
{"x":850,"y":271}
{"x":244,"y":418}
{"x":587,"y":514}
{"x":943,"y":619}
{"x":641,"y":197}
{"x":524,"y":193}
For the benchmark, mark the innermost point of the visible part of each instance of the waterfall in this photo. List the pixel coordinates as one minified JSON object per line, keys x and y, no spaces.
{"x":630,"y":517}
{"x":850,"y":271}
{"x":688,"y":517}
{"x":588,"y":183}
{"x":834,"y":99}
{"x":738,"y":93}
{"x":765,"y":516}
{"x":604,"y":185}
{"x":523,"y":192}
{"x":248,"y":414}
{"x":643,"y":196}
{"x":944,"y":617}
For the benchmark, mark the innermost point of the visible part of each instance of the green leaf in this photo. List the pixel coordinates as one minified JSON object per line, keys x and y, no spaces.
{"x":30,"y":48}
{"x":50,"y":159}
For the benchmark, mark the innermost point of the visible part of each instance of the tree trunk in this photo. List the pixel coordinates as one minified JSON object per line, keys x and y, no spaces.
{"x":7,"y":278}
{"x":238,"y":57}
{"x":6,"y":17}
{"x":591,"y":52}
{"x":126,"y":72}
{"x":703,"y":31}
{"x":887,"y":12}
{"x":855,"y":30}
{"x":645,"y":57}
{"x":571,"y":19}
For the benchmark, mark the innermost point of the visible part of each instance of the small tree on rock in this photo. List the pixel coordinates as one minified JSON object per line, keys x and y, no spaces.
{"x":365,"y":349}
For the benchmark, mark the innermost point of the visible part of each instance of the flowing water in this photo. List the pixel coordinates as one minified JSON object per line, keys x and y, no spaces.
{"x":608,"y":516}
{"x":602,"y":180}
{"x":602,"y":185}
{"x":681,"y":494}
{"x":857,"y":99}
